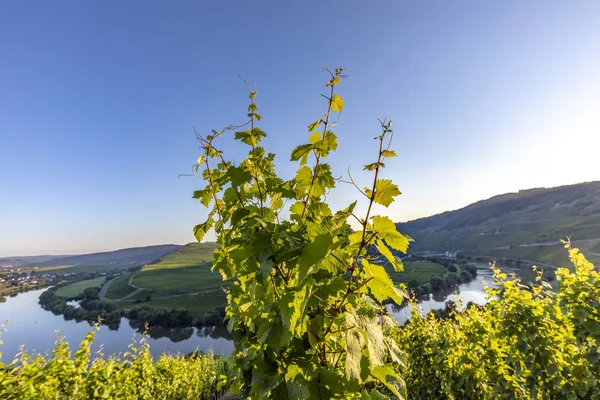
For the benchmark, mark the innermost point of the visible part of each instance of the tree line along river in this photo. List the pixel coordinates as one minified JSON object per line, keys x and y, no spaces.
{"x":36,"y":329}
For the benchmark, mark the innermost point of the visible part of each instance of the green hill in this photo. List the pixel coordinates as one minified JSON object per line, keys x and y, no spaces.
{"x":187,"y":269}
{"x":179,"y":280}
{"x":18,"y":261}
{"x":134,"y":255}
{"x":524,"y":225}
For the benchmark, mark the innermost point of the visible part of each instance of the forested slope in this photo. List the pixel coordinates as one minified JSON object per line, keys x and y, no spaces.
{"x":527,"y":224}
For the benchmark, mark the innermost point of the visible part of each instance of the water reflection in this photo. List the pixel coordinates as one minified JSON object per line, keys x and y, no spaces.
{"x":34,"y":327}
{"x":473,"y":291}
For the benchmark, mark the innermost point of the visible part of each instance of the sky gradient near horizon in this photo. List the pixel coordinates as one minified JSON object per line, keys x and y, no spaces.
{"x":98,"y":101}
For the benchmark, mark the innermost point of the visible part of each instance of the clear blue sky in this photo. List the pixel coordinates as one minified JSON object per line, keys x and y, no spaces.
{"x":98,"y":100}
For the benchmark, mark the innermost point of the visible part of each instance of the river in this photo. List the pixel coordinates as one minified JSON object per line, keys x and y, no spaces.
{"x":472,"y":291}
{"x":30,"y":325}
{"x":35,"y":328}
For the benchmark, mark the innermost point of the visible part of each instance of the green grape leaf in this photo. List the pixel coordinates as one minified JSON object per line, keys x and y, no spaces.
{"x":369,"y":324}
{"x":201,"y":229}
{"x":385,"y":251}
{"x":246,"y":137}
{"x":381,"y":374}
{"x":330,"y":142}
{"x":380,"y":284}
{"x":355,"y":342}
{"x":314,"y":125}
{"x":301,"y":153}
{"x":265,"y":262}
{"x":375,"y":395}
{"x":373,"y":166}
{"x":337,"y":103}
{"x":355,"y":238}
{"x":331,"y":383}
{"x":397,"y":356}
{"x":388,"y":153}
{"x":297,"y":208}
{"x":297,"y":392}
{"x":323,"y":180}
{"x":385,"y":191}
{"x":315,"y":137}
{"x":314,"y":330}
{"x":304,"y":178}
{"x":279,"y":336}
{"x":230,"y":195}
{"x":314,"y":252}
{"x":386,"y":229}
{"x":263,"y":332}
{"x":205,"y":196}
{"x":238,"y":176}
{"x":276,"y":203}
{"x":293,"y":370}
{"x":298,"y":307}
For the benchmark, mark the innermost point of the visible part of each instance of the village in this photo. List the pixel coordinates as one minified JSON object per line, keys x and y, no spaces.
{"x":18,"y":280}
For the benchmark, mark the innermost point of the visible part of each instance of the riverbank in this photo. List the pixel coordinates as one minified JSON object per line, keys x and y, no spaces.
{"x":35,"y":328}
{"x":92,"y":309}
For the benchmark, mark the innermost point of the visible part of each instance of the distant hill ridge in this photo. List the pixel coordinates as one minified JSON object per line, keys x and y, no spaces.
{"x":532,"y":216}
{"x":16,"y":261}
{"x":499,"y":226}
{"x":134,"y":255}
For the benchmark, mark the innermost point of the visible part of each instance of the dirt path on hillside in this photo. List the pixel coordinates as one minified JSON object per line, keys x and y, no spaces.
{"x":130,"y":283}
{"x":136,"y":291}
{"x":102,"y":292}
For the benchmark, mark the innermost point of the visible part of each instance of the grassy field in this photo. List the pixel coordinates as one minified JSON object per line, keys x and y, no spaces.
{"x":171,"y":281}
{"x":83,"y":268}
{"x":75,"y":288}
{"x":119,"y":287}
{"x":194,"y":302}
{"x":187,"y":269}
{"x":420,"y":271}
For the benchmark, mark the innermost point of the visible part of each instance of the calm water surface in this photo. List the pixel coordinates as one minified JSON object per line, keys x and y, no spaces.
{"x":473,"y":291}
{"x":30,"y":325}
{"x":36,"y":328}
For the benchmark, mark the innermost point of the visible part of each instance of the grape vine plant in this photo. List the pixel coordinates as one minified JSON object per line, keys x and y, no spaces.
{"x":306,"y":305}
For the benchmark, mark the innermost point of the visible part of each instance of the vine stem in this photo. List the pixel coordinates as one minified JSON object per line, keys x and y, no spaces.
{"x":252,"y":115}
{"x":364,"y":233}
{"x":318,"y":156}
{"x":372,"y":199}
{"x":210,"y":178}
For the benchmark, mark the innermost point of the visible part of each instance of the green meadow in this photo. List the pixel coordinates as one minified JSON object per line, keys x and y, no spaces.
{"x":187,"y":269}
{"x":200,"y":303}
{"x":75,"y":288}
{"x":420,"y":271}
{"x":119,"y":287}
{"x":83,"y":268}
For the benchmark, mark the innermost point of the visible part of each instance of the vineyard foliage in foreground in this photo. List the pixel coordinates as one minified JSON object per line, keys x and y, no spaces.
{"x":135,"y":375}
{"x":306,"y":302}
{"x":530,"y":343}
